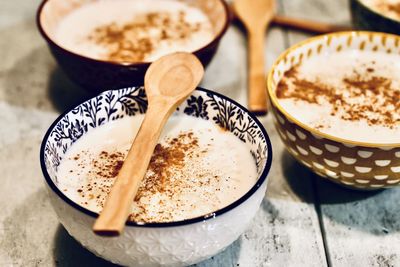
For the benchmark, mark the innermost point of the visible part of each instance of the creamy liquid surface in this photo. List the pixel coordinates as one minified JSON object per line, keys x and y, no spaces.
{"x":352,"y":95}
{"x":135,"y":30}
{"x":388,"y":8}
{"x":207,"y":169}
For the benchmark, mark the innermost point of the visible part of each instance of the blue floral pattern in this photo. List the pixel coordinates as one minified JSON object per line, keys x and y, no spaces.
{"x":229,"y":116}
{"x":115,"y":104}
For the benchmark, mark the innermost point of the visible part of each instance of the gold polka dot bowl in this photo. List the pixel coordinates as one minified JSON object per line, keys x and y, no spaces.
{"x":358,"y":165}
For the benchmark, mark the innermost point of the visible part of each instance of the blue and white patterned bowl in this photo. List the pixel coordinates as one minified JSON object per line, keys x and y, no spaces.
{"x":157,"y":244}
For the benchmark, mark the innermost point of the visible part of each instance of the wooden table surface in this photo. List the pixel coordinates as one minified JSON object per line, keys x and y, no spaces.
{"x":303,"y":220}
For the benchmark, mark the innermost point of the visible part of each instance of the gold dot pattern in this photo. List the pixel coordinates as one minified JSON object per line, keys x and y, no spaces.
{"x":355,"y":165}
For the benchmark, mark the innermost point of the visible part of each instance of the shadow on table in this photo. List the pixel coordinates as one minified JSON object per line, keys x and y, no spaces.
{"x":64,"y":93}
{"x":376,"y":212}
{"x":35,"y":81}
{"x":298,"y":177}
{"x":274,"y":215}
{"x":25,"y":82}
{"x":228,"y":257}
{"x":332,"y":193}
{"x":68,"y":252}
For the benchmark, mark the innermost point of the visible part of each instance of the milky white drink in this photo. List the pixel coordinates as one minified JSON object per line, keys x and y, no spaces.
{"x":197,"y":168}
{"x":134,"y":30}
{"x":389,"y":8}
{"x":352,"y":95}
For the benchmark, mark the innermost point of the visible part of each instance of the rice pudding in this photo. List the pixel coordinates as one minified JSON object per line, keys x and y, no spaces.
{"x":388,"y":8}
{"x":134,"y":30}
{"x":197,"y":168}
{"x":353,"y":95}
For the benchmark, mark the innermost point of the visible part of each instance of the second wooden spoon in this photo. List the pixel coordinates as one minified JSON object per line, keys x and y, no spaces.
{"x":256,"y":15}
{"x":168,"y":82}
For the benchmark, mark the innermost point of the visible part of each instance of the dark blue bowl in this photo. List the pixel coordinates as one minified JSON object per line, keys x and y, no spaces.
{"x":365,"y":18}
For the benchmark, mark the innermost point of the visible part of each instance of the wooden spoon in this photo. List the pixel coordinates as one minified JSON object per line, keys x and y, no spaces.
{"x":305,"y":25}
{"x":168,"y":82}
{"x":308,"y":25}
{"x":256,"y":15}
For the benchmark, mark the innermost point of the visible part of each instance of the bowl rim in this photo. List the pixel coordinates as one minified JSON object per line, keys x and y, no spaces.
{"x":50,"y":41}
{"x":375,"y":12}
{"x":275,"y":102}
{"x":261,"y":178}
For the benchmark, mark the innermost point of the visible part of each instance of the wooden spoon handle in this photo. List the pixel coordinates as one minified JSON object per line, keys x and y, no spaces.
{"x":257,"y":85}
{"x":119,"y":202}
{"x":300,"y":24}
{"x":307,"y":25}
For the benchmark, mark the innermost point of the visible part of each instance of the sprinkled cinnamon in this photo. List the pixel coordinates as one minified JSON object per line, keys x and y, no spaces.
{"x":173,"y":172}
{"x":134,"y":40}
{"x":165,"y":160}
{"x":391,"y":7}
{"x":359,"y":96}
{"x":395,"y":8}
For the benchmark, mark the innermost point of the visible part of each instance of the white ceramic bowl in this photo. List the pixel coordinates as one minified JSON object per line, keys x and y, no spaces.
{"x":157,"y":244}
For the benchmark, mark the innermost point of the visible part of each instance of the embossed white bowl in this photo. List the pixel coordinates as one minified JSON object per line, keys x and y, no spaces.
{"x":157,"y":244}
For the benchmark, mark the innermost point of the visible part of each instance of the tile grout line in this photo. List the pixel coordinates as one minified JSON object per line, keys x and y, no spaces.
{"x":281,"y":8}
{"x":317,"y":206}
{"x":316,"y":203}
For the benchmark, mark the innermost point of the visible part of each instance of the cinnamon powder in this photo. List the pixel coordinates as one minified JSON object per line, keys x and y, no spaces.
{"x":168,"y":160}
{"x":390,"y":7}
{"x":359,"y":97}
{"x":134,"y":40}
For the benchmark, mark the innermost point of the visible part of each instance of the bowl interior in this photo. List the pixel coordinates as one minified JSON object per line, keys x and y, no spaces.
{"x":114,"y":105}
{"x":52,"y":13}
{"x":328,"y":44}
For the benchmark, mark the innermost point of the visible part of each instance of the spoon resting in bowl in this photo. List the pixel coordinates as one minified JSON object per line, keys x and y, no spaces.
{"x":168,"y":82}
